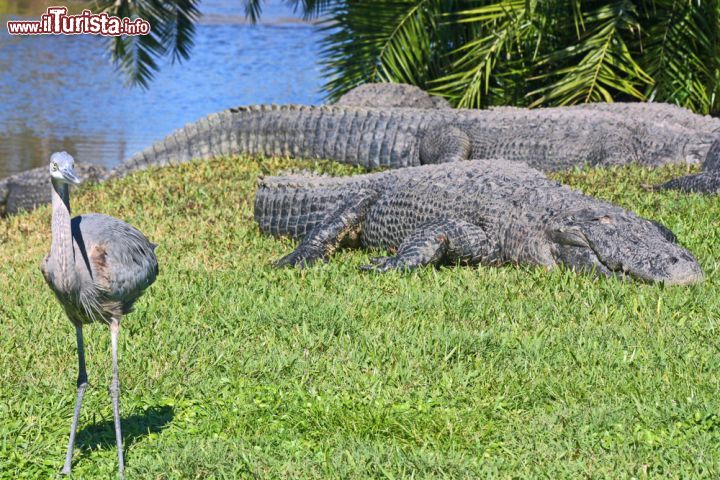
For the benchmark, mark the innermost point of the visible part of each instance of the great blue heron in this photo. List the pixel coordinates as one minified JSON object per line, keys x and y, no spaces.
{"x":98,"y":266}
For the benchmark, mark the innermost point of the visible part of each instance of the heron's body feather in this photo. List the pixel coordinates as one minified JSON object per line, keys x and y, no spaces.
{"x":113,"y":265}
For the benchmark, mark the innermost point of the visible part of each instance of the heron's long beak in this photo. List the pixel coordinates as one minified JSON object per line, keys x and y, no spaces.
{"x":69,"y":175}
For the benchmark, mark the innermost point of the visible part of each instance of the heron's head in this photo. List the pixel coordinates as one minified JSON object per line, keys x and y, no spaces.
{"x":62,"y":168}
{"x":621,"y":243}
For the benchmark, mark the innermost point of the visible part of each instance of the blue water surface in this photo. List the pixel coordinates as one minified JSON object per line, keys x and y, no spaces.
{"x":62,"y":93}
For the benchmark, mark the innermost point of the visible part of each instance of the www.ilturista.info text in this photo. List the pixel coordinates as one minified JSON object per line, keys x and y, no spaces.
{"x":57,"y":21}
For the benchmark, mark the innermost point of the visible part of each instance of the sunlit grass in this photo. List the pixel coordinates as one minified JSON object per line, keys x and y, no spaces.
{"x":230,"y":368}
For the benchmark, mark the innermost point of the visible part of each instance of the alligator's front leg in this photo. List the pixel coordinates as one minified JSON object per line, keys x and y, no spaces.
{"x":443,"y":145}
{"x":326,"y":237}
{"x":437,"y":242}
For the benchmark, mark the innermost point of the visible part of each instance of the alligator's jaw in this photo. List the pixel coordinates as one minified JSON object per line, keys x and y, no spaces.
{"x":684,"y":273}
{"x":670,"y":271}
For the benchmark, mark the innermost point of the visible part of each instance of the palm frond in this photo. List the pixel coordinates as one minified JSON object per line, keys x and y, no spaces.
{"x":682,"y":55}
{"x":172,"y":27}
{"x":312,"y":8}
{"x":486,"y":61}
{"x":380,"y":41}
{"x":309,"y":9}
{"x":253,"y":10}
{"x":482,"y":52}
{"x":600,"y":66}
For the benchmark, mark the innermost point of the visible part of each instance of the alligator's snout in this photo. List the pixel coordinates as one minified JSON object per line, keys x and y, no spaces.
{"x":679,"y":268}
{"x":622,"y":244}
{"x":653,"y":259}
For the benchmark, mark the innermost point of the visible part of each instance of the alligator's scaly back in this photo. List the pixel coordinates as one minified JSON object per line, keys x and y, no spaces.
{"x":383,"y":95}
{"x":670,"y":132}
{"x":660,"y":113}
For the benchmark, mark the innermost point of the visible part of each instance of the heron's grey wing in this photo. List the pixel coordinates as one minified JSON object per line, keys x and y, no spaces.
{"x":121,"y":258}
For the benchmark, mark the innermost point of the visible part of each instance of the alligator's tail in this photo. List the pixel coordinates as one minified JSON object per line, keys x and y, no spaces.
{"x":353,"y":135}
{"x":703,"y":182}
{"x":707,"y":181}
{"x":288,"y":211}
{"x":291,"y":205}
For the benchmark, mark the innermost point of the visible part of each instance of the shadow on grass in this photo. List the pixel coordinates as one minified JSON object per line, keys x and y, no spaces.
{"x":102,"y":435}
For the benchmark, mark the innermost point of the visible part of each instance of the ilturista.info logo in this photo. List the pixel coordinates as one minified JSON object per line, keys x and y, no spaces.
{"x":56,"y":21}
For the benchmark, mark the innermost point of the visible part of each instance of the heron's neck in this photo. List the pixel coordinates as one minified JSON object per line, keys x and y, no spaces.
{"x":62,"y":245}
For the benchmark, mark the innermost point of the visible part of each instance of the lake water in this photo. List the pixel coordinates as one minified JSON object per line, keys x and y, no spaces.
{"x":62,"y":93}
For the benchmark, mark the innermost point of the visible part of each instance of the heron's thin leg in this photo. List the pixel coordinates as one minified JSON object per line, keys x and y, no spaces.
{"x":81,"y":386}
{"x":115,"y":393}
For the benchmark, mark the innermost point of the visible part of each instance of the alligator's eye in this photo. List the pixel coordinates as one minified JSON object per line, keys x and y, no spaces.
{"x":569,"y":237}
{"x":54,"y":167}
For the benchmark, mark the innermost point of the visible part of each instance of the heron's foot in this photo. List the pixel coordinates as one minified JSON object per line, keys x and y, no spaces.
{"x":303,"y":256}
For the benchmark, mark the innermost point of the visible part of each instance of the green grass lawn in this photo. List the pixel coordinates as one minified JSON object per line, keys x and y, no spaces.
{"x":230,"y":368}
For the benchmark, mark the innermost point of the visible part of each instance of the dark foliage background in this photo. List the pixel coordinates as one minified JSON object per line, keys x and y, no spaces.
{"x":478,"y":53}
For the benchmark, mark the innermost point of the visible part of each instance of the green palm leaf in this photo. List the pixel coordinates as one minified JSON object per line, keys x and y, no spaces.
{"x":172,"y":27}
{"x":683,"y":54}
{"x":380,"y":41}
{"x":483,"y":52}
{"x":600,"y":66}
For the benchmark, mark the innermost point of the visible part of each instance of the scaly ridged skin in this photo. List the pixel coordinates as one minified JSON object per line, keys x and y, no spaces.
{"x":707,"y":182}
{"x":548,"y":139}
{"x":703,"y":182}
{"x":29,"y":189}
{"x":661,"y":113}
{"x":384,"y":95}
{"x":489,"y":212}
{"x":667,"y":129}
{"x":699,"y":136}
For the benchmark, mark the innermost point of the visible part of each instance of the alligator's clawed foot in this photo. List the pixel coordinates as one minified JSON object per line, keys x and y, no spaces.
{"x":376,"y":261}
{"x":301,"y":257}
{"x":384,"y":264}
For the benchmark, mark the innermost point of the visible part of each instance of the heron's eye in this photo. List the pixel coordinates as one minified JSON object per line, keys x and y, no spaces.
{"x":54,"y":167}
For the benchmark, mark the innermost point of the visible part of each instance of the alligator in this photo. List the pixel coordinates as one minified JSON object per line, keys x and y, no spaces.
{"x":547,"y":139}
{"x":29,"y":189}
{"x":488,"y":212}
{"x":382,"y":95}
{"x":685,"y":123}
{"x":664,"y":117}
{"x":661,"y":118}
